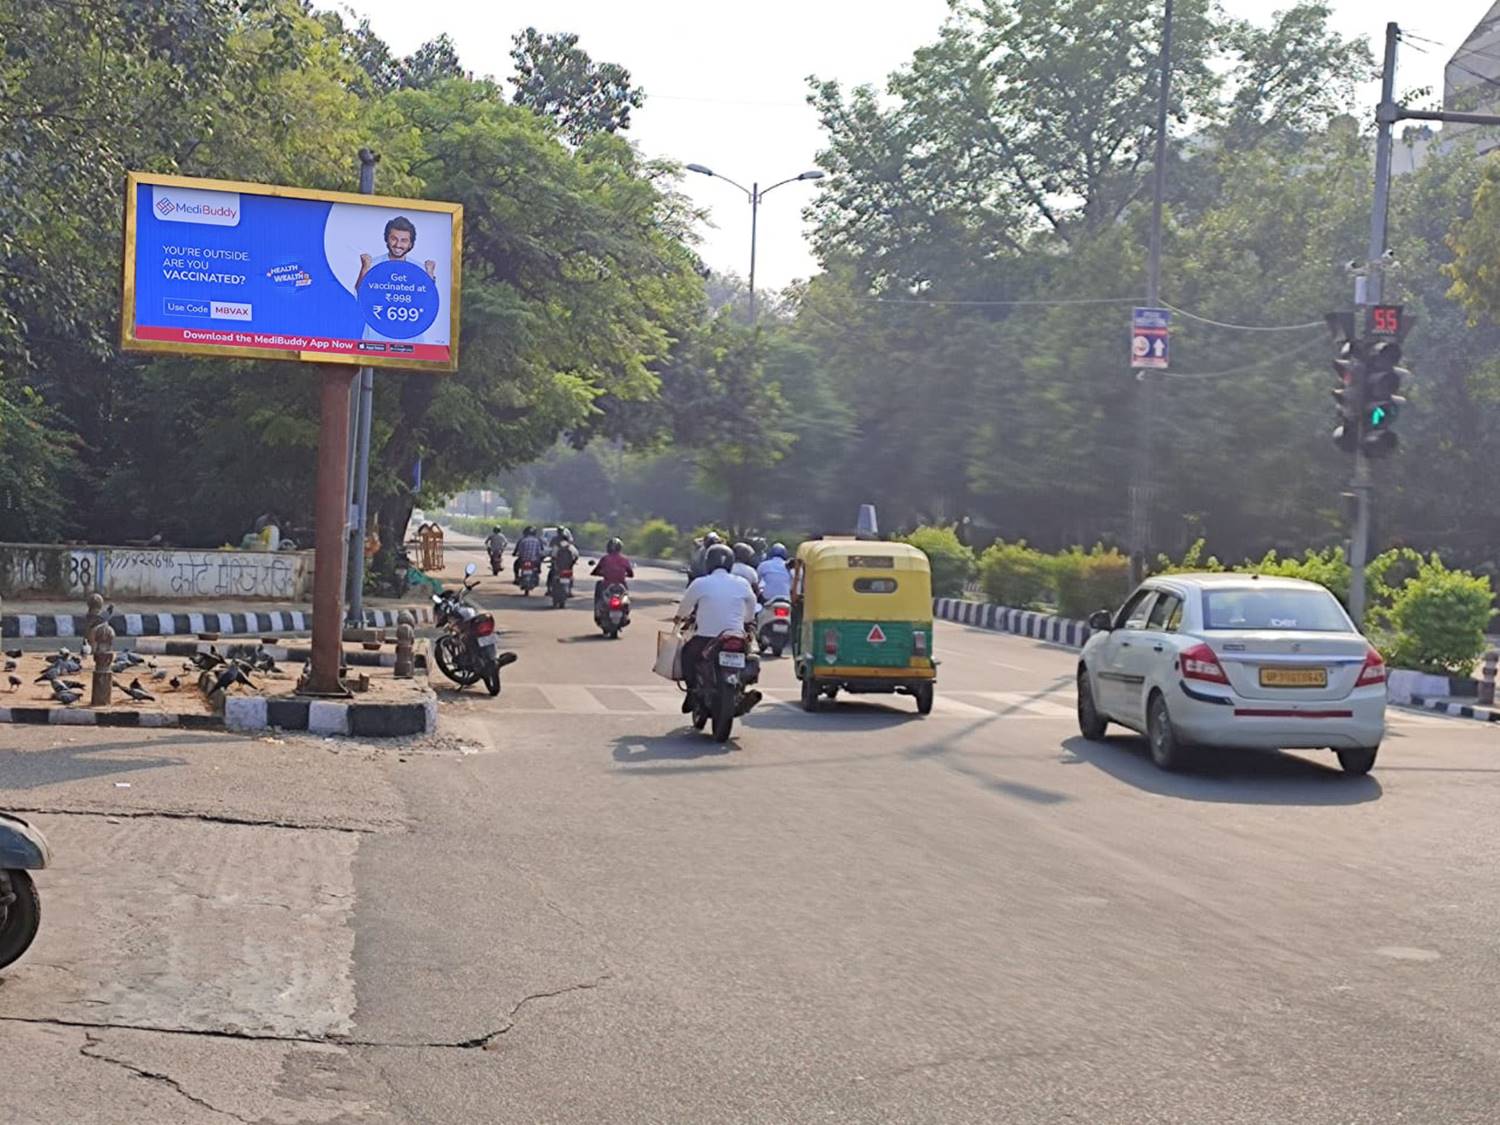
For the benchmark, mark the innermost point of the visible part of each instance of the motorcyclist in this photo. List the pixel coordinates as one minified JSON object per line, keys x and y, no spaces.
{"x":613,"y":568}
{"x":719,"y":602}
{"x":759,"y":546}
{"x":564,"y":554}
{"x":775,"y":575}
{"x":495,"y":543}
{"x":528,"y":549}
{"x":699,"y":566}
{"x":744,"y":566}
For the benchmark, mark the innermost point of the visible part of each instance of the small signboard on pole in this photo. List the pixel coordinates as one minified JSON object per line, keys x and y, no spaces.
{"x":1149,"y":336}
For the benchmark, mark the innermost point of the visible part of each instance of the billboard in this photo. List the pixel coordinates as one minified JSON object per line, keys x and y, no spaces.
{"x":214,"y":267}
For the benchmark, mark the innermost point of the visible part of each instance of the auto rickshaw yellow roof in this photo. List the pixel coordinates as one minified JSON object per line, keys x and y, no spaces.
{"x":846,"y":552}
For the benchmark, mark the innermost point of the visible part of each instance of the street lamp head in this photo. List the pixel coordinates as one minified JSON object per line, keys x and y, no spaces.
{"x":700,"y":169}
{"x":815,"y":174}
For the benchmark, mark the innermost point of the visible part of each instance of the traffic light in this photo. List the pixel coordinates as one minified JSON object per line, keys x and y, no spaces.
{"x":1382,"y":401}
{"x":1349,"y":395}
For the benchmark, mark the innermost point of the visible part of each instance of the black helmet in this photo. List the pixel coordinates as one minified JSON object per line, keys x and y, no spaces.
{"x":530,"y":530}
{"x":719,"y":557}
{"x":614,"y":546}
{"x":712,"y":539}
{"x":495,"y":531}
{"x":744,"y":553}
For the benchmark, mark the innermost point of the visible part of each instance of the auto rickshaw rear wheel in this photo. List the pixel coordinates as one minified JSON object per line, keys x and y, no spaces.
{"x":923,"y":696}
{"x":20,"y":918}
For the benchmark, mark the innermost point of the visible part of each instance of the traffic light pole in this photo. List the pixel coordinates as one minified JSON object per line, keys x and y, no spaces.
{"x":1368,"y":290}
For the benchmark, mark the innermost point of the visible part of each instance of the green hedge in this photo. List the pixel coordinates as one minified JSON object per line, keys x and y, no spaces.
{"x":1438,"y":617}
{"x":952,"y":563}
{"x":1099,"y":579}
{"x":1016,"y":575}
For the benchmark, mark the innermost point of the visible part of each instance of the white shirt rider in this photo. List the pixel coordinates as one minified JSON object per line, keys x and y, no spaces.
{"x":747,"y":572}
{"x":775,"y":580}
{"x":723,"y":603}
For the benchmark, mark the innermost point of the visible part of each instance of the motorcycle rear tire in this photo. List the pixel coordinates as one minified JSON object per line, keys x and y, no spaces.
{"x":20,"y":920}
{"x":724,"y":707}
{"x":450,"y":661}
{"x":777,"y":649}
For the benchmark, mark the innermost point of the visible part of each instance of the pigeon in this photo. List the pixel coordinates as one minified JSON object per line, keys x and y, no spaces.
{"x":71,"y":685}
{"x":231,"y":675}
{"x":174,"y":683}
{"x":130,"y":656}
{"x":68,"y":698}
{"x":13,"y":653}
{"x":50,"y":675}
{"x":207,"y":661}
{"x":15,"y":682}
{"x":151,"y":664}
{"x":159,"y":674}
{"x":10,"y":665}
{"x":138,"y":693}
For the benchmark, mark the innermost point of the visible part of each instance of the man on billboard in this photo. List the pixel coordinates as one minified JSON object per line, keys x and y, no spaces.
{"x":400,"y":239}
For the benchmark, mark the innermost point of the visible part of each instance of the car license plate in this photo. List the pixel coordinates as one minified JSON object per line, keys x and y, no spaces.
{"x":1293,"y":677}
{"x":488,"y":642}
{"x":731,"y":660}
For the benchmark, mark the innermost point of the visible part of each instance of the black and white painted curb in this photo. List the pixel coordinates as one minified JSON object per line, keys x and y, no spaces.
{"x":265,"y":623}
{"x":283,"y":654}
{"x":331,"y":716}
{"x":84,"y":717}
{"x":1457,"y":710}
{"x":1022,"y":622}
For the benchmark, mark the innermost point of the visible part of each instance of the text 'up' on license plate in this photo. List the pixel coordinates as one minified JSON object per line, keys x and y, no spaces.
{"x":731,"y":659}
{"x":1294,"y":677}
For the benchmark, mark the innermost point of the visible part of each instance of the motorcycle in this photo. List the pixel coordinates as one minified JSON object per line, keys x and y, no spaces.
{"x":22,"y":849}
{"x":726,"y":671}
{"x":560,"y":587}
{"x":773,"y":626}
{"x":530,"y":575}
{"x":468,"y":650}
{"x":496,"y":558}
{"x":612,"y":609}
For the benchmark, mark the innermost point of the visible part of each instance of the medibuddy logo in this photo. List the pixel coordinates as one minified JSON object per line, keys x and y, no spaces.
{"x":190,"y":205}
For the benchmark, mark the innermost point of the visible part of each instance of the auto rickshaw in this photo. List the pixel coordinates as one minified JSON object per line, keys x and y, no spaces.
{"x":862,"y":620}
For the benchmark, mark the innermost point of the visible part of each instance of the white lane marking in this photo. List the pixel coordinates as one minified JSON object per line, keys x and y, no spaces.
{"x":1025,"y":701}
{"x":572,"y":698}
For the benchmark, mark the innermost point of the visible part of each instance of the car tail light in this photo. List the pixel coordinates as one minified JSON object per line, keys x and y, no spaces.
{"x":615,"y":602}
{"x":782,"y":611}
{"x":919,"y":643}
{"x":484,"y":626}
{"x":1200,"y":663}
{"x":1374,"y":670}
{"x":732,"y":644}
{"x":830,"y":643}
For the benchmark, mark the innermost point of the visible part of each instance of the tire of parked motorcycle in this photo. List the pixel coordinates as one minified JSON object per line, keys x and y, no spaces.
{"x":492,"y":680}
{"x":723,"y":716}
{"x":19,"y":921}
{"x":445,"y":651}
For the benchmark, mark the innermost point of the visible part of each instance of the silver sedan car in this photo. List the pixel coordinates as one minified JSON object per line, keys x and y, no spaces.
{"x":1235,"y":660}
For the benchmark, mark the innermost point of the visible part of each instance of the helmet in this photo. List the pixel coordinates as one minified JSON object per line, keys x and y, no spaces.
{"x":495,"y":531}
{"x":712,"y":538}
{"x":530,"y":530}
{"x":744,"y":553}
{"x":614,"y":546}
{"x":565,"y":535}
{"x":778,"y":550}
{"x":759,"y":544}
{"x":719,"y":557}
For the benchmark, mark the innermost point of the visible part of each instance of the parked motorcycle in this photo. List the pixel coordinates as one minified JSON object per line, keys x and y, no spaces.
{"x":22,"y":849}
{"x":727,"y":670}
{"x":773,"y":626}
{"x":469,"y":650}
{"x":612,"y":609}
{"x":530,"y":575}
{"x":560,"y":587}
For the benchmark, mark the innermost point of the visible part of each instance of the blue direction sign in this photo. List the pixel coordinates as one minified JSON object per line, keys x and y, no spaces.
{"x":1149,"y":335}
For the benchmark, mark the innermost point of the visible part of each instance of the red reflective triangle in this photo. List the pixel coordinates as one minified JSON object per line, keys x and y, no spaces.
{"x":876,"y":637}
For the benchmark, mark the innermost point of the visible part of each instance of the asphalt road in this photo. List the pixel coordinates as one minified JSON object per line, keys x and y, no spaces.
{"x":570,"y":908}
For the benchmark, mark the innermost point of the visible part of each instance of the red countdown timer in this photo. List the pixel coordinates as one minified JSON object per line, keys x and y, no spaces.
{"x":1383,"y":320}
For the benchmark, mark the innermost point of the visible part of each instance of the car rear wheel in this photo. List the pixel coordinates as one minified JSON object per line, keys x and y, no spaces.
{"x":1358,"y":762}
{"x":1091,"y":724}
{"x":1167,"y":750}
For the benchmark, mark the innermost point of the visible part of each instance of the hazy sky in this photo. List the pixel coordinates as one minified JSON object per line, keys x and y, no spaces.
{"x":725,"y":84}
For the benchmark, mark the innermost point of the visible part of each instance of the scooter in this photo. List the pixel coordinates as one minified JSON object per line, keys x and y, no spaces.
{"x":496,"y":558}
{"x":469,"y":650}
{"x":531,"y":574}
{"x":22,"y":849}
{"x":612,"y":609}
{"x":560,"y":587}
{"x":773,"y":626}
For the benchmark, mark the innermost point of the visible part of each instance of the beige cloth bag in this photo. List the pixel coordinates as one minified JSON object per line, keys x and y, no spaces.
{"x":669,"y":655}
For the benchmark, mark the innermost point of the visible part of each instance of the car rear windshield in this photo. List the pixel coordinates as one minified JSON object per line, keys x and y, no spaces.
{"x":1315,"y":611}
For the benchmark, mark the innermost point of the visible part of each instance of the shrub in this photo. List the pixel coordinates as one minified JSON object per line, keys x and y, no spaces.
{"x":1327,"y":568}
{"x":590,"y":535}
{"x":1099,"y":579}
{"x":655,"y":539}
{"x":1439,"y":617}
{"x":1014,"y":574}
{"x":1192,"y":561}
{"x":952,"y":563}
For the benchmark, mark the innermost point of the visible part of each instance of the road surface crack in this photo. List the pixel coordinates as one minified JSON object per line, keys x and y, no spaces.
{"x":92,"y":1041}
{"x":207,"y":818}
{"x":484,"y":1042}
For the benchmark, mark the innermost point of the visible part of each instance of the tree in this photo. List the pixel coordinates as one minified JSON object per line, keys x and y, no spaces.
{"x":556,"y":78}
{"x":430,"y":63}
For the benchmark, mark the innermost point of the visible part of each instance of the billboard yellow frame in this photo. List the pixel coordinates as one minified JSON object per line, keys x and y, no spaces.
{"x":130,"y":342}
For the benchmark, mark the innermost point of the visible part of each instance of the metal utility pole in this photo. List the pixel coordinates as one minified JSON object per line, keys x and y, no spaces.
{"x":359,"y":486}
{"x":755,"y":195}
{"x":1141,"y":487}
{"x":1368,"y":290}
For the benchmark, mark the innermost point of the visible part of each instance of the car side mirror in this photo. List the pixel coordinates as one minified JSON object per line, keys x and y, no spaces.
{"x":470,"y":569}
{"x":1100,"y":621}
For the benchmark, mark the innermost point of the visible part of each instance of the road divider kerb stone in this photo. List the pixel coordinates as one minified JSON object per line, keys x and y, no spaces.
{"x":271,"y":622}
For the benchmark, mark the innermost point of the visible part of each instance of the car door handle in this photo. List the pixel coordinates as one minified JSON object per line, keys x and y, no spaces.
{"x":1157,"y":648}
{"x":1124,"y":644}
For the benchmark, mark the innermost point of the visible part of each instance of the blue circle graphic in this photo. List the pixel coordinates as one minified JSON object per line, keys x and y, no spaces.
{"x":398,"y":299}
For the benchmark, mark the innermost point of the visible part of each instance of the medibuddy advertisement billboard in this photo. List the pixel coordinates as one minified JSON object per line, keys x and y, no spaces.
{"x":214,"y":267}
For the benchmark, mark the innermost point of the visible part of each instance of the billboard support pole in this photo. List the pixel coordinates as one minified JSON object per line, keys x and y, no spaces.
{"x":359,"y":483}
{"x":331,"y":516}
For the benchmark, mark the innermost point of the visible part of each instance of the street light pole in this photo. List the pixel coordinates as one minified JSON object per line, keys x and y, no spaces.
{"x":754,"y":194}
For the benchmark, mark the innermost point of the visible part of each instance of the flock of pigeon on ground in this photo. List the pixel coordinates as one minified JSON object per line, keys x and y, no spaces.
{"x":215,"y":673}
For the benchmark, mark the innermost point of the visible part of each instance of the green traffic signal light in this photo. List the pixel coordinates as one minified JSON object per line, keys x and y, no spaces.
{"x":1378,"y":416}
